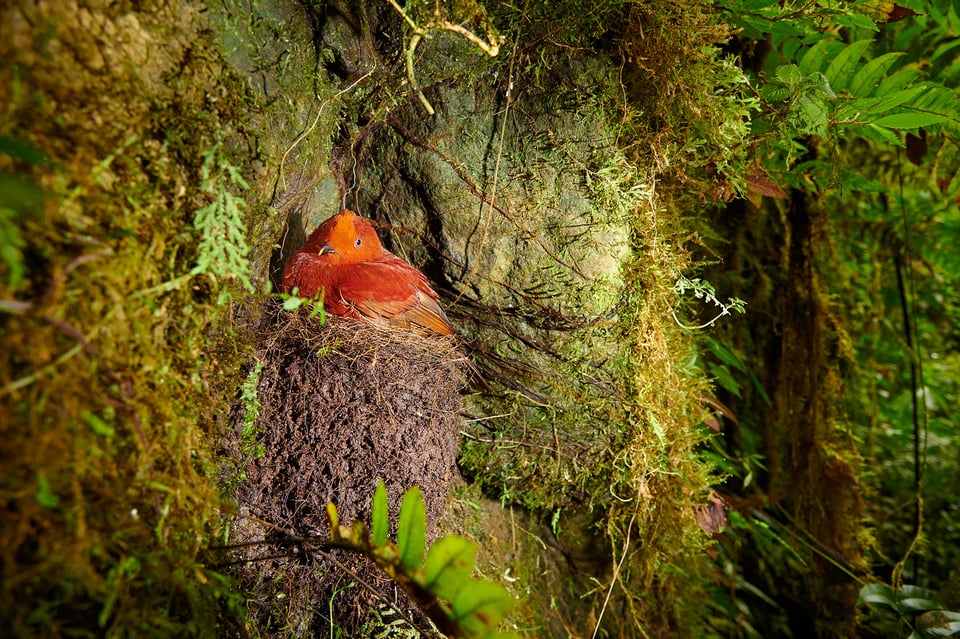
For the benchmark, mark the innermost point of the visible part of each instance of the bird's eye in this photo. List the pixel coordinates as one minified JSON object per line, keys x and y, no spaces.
{"x":358,"y":242}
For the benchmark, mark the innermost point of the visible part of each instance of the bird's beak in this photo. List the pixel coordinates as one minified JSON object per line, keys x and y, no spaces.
{"x":326,"y":248}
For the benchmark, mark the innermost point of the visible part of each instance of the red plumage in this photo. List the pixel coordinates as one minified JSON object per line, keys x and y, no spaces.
{"x":361,"y":279}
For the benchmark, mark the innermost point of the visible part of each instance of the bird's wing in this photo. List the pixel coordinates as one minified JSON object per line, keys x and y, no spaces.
{"x":304,"y":271}
{"x":391,"y":292}
{"x":424,"y":315}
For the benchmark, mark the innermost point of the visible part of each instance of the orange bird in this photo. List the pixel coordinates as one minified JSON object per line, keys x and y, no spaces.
{"x":363,"y":280}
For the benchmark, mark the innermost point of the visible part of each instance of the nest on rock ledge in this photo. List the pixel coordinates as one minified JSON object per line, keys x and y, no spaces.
{"x":342,"y":405}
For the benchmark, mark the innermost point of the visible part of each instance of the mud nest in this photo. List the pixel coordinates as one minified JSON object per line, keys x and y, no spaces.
{"x":342,"y":406}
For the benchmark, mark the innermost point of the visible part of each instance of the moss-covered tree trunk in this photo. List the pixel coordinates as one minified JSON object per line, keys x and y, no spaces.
{"x":795,"y":345}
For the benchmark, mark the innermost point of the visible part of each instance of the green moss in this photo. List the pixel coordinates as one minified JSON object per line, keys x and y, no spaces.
{"x":611,"y":438}
{"x":111,"y":374}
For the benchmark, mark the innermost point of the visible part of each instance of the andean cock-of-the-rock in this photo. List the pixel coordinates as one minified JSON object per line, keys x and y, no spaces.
{"x":363,"y":280}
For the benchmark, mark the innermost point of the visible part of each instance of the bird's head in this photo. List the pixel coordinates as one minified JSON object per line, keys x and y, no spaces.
{"x":347,"y":238}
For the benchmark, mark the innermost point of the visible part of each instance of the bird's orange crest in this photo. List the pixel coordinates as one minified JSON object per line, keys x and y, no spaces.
{"x":352,"y":238}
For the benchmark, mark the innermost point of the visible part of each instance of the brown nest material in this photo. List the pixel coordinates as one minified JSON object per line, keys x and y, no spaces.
{"x":342,"y":406}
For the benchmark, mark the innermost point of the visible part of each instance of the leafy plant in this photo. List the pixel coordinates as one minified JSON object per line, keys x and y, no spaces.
{"x":11,"y":245}
{"x":441,"y":583}
{"x":19,"y":196}
{"x":249,"y":446}
{"x":839,"y":85}
{"x":293,"y":302}
{"x":844,"y":89}
{"x":917,"y":608}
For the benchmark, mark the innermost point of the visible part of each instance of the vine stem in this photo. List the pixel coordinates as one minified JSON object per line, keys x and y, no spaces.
{"x":491,"y":48}
{"x":316,"y":120}
{"x":616,"y":572}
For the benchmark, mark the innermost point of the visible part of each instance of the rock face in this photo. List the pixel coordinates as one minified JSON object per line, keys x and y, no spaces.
{"x":341,"y":406}
{"x":520,"y":216}
{"x":513,"y":222}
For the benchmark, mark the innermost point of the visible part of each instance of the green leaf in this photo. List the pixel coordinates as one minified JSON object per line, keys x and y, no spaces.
{"x":910,"y":590}
{"x":759,"y":26}
{"x":881,"y":134}
{"x":909,"y":120}
{"x":333,"y":517}
{"x":449,"y":565}
{"x":724,"y":378}
{"x":916,"y":604}
{"x":412,"y":529}
{"x":380,"y":517}
{"x":21,"y":150}
{"x":944,"y":48}
{"x":938,"y":99}
{"x":877,"y":594}
{"x":21,"y":195}
{"x":896,"y":98}
{"x":45,"y":496}
{"x":898,"y":80}
{"x":293,"y":302}
{"x":789,"y":74}
{"x":815,"y":112}
{"x":841,"y":69}
{"x":480,"y":605}
{"x":870,"y":73}
{"x":819,"y":84}
{"x":318,"y":310}
{"x":918,"y":599}
{"x":856,"y":20}
{"x":813,"y":58}
{"x":723,"y":352}
{"x":11,"y":241}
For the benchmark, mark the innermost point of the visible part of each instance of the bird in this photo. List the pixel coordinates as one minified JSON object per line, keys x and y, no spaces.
{"x":362,"y":280}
